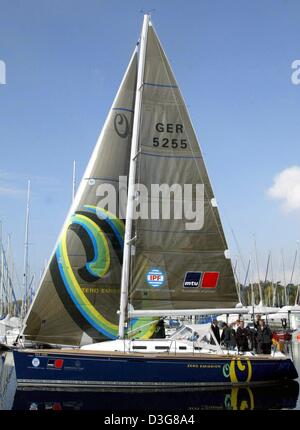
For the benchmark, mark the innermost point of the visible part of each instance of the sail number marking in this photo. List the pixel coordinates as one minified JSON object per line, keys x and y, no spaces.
{"x":165,"y":142}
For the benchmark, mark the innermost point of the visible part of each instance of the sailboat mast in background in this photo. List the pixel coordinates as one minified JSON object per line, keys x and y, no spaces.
{"x":258,"y":274}
{"x":284,"y":278}
{"x":292,"y":276}
{"x":26,"y":257}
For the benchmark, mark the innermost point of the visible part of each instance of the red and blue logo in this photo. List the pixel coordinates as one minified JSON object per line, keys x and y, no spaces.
{"x":207,"y":280}
{"x":156,"y":278}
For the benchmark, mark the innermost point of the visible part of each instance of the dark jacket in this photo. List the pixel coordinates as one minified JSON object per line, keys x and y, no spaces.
{"x":264,"y":335}
{"x":216,"y":332}
{"x":242,"y":339}
{"x":228,"y":337}
{"x":256,"y":324}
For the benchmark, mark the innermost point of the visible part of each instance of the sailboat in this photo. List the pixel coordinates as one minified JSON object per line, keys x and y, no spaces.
{"x":10,"y":323}
{"x":10,"y":326}
{"x":114,"y":274}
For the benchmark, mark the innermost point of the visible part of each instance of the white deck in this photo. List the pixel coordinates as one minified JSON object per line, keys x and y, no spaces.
{"x":156,"y":346}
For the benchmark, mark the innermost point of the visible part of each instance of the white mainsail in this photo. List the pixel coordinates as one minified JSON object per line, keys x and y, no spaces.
{"x":81,"y":287}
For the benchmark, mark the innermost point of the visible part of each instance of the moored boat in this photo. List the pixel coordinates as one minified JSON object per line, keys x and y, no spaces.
{"x":116,"y":369}
{"x":110,"y":282}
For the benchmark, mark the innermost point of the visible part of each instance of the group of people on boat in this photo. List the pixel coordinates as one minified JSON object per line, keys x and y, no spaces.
{"x":244,"y":338}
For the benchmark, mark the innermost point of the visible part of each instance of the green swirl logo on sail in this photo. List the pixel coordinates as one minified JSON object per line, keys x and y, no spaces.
{"x":94,"y":226}
{"x":98,"y":268}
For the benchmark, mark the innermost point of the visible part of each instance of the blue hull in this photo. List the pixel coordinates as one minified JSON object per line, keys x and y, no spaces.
{"x":62,"y":368}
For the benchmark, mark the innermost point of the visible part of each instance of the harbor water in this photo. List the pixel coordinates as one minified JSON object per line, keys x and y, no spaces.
{"x":264,"y":397}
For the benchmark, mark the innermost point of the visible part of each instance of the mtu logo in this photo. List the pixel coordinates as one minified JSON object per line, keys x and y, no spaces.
{"x":156,"y":278}
{"x":192,"y":279}
{"x":203,"y":279}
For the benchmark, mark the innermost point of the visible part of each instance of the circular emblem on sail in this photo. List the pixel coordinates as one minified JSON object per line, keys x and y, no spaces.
{"x":121,"y":125}
{"x":156,"y":278}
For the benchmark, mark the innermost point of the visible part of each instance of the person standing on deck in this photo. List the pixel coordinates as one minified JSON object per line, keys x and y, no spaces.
{"x":264,"y":338}
{"x":216,"y":331}
{"x":242,"y":337}
{"x":228,"y":337}
{"x":256,"y":322}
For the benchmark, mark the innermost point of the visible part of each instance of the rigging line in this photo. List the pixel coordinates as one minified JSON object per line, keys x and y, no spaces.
{"x":238,"y":285}
{"x":247,"y":272}
{"x":160,"y":49}
{"x":267,"y":269}
{"x":235,"y":238}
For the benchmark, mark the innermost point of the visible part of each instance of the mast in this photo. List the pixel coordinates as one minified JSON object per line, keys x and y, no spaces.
{"x":293,"y":270}
{"x":74,"y":181}
{"x":9,"y":283}
{"x":284,"y":278}
{"x":246,"y":276}
{"x":258,"y":274}
{"x":131,"y":179}
{"x":266,"y":276}
{"x":297,"y":293}
{"x":25,"y":265}
{"x":274,"y":287}
{"x":251,"y":284}
{"x":2,"y":273}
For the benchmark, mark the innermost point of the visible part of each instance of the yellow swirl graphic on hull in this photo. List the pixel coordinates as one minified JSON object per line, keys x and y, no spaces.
{"x":244,"y":369}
